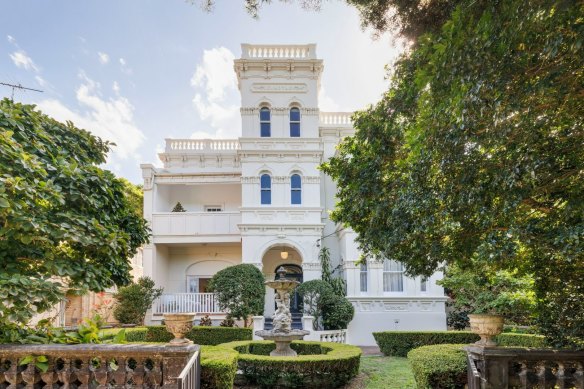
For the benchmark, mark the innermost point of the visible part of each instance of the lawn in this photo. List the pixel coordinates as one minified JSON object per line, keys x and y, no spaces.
{"x":379,"y":372}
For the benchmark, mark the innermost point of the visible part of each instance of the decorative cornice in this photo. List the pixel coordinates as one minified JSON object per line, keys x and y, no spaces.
{"x":249,"y":110}
{"x":310,"y":111}
{"x":311,"y":266}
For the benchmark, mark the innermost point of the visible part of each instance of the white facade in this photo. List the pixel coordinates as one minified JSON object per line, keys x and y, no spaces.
{"x":250,"y":199}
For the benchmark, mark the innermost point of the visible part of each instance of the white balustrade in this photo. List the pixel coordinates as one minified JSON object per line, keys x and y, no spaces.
{"x":279,"y":51}
{"x":334,"y":336}
{"x":195,"y":223}
{"x":186,"y":303}
{"x":336,"y":119}
{"x":181,"y":145}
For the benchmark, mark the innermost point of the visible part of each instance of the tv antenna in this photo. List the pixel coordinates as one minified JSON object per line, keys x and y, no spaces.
{"x":20,"y":87}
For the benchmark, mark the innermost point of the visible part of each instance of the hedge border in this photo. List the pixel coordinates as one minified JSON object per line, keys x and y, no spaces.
{"x":399,"y":343}
{"x":439,"y":366}
{"x":218,"y":367}
{"x":333,"y":367}
{"x":203,"y":335}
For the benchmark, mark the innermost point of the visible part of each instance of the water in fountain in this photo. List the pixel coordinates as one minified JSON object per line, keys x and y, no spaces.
{"x":282,"y":332}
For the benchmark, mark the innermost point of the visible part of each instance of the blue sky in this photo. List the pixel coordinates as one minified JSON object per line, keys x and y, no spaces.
{"x":138,"y":71}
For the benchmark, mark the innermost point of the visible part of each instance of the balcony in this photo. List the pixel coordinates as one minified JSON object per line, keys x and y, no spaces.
{"x":186,"y":303}
{"x":176,"y":227}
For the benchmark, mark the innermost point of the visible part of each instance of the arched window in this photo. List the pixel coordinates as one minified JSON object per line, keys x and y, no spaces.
{"x":296,"y":189}
{"x":294,"y":122}
{"x":363,"y":277}
{"x":393,"y":276}
{"x":266,"y":189}
{"x":265,"y":124}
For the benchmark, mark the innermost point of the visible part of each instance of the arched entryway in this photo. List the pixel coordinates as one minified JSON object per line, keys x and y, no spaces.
{"x":293,"y":272}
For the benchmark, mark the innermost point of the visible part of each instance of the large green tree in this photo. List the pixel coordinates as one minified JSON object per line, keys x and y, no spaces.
{"x":476,"y":154}
{"x":64,"y":221}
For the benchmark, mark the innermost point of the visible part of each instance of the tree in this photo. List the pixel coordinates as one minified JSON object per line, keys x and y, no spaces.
{"x":408,"y":18}
{"x":64,"y":222}
{"x":134,"y":300}
{"x":338,"y":284}
{"x":240,"y":290}
{"x":315,"y":294}
{"x":476,"y":154}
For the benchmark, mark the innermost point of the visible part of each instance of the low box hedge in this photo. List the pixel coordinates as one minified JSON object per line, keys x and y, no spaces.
{"x":318,"y":364}
{"x":218,"y":367}
{"x":441,"y":366}
{"x":399,"y":343}
{"x":199,"y":334}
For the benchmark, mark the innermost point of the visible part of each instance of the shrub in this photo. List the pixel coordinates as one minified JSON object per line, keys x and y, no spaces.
{"x":337,"y":313}
{"x":198,"y":334}
{"x":206,"y":321}
{"x":399,"y":343}
{"x":239,"y":290}
{"x":136,"y":334}
{"x":319,"y":364}
{"x":314,"y":293}
{"x":227,"y":322}
{"x":440,"y":366}
{"x":134,"y":300}
{"x":218,"y":367}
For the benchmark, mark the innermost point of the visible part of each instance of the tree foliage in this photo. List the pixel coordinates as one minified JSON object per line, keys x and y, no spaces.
{"x":338,"y":284}
{"x":134,"y":300}
{"x":476,"y":153}
{"x":64,"y":222}
{"x":314,"y":295}
{"x":240,"y":290}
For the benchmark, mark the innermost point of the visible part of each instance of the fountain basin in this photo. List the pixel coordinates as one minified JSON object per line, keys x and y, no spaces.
{"x":283,"y":340}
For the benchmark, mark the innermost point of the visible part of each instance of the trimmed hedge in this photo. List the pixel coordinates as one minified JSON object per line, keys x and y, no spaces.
{"x":203,"y":335}
{"x":399,"y":343}
{"x":318,"y":365}
{"x":441,"y":366}
{"x":218,"y":367}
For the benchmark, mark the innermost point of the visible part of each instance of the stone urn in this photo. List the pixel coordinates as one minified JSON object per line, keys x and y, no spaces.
{"x":179,"y":324}
{"x":487,"y":327}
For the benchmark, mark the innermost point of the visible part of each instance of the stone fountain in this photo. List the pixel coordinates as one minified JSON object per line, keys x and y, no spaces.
{"x":282,"y":332}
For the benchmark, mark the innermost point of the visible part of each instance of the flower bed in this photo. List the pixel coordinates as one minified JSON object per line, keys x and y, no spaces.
{"x":318,"y":364}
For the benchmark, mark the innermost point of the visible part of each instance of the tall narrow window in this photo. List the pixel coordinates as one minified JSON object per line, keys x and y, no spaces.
{"x":265,"y":124}
{"x":363,"y":277}
{"x":296,"y":189}
{"x":423,"y":284}
{"x":393,"y":276}
{"x":294,"y":122}
{"x":266,"y":189}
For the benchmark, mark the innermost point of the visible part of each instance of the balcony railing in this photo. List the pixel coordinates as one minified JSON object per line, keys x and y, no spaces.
{"x":186,"y":303}
{"x":195,"y":223}
{"x":201,"y":145}
{"x":278,"y":51}
{"x":336,"y":119}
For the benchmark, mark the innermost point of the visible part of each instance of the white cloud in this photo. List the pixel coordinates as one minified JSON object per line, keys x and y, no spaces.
{"x":11,"y":39}
{"x":116,"y":87}
{"x":217,"y":99}
{"x":22,"y":60}
{"x":326,"y":103}
{"x":41,"y":81}
{"x":110,"y":119}
{"x":103,"y":58}
{"x":125,"y":68}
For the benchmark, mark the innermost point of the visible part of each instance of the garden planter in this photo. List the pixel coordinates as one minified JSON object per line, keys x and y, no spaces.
{"x":179,"y":324}
{"x":487,"y":327}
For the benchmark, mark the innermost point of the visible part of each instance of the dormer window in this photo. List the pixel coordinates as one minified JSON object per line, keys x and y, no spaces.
{"x":294,"y":122}
{"x":265,"y":122}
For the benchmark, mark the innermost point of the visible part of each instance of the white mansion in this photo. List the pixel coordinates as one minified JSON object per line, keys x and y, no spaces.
{"x":261,"y":199}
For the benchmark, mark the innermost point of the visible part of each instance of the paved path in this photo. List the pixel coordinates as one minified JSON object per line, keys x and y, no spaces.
{"x":370,"y":350}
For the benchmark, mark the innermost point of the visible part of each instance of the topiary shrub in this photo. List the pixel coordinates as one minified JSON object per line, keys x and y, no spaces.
{"x":441,"y":366}
{"x":399,"y":343}
{"x":337,"y":313}
{"x":134,"y":300}
{"x":240,"y":291}
{"x":318,"y":364}
{"x":218,"y":367}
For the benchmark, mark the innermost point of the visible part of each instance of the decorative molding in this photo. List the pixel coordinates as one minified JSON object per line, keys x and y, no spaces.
{"x":198,"y":179}
{"x":249,"y":110}
{"x":147,"y":183}
{"x":397,"y":304}
{"x":278,"y":88}
{"x":310,"y":111}
{"x":311,"y":266}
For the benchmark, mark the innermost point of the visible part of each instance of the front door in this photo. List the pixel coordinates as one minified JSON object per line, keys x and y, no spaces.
{"x":293,"y":272}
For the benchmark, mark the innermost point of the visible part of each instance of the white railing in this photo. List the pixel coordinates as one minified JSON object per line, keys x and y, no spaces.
{"x":190,"y":377}
{"x":278,"y":51}
{"x":340,"y":119}
{"x":201,"y":145}
{"x":186,"y":303}
{"x":195,"y":223}
{"x":334,"y":336}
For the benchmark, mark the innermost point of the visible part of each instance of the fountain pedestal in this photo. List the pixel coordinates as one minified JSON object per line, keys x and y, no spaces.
{"x":282,"y":333}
